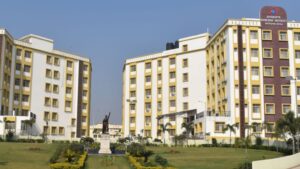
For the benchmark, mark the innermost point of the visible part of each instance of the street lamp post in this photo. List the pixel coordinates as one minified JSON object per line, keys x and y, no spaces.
{"x":291,"y":78}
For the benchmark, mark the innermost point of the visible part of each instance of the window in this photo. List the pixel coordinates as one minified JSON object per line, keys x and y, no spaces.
{"x":53,"y":131}
{"x":257,"y":127}
{"x":297,"y":54}
{"x":48,"y":73}
{"x":68,"y":104}
{"x":17,"y":82}
{"x":286,"y":108}
{"x":284,"y":71}
{"x":26,"y":83}
{"x":172,"y":118}
{"x":172,"y":91}
{"x":148,"y":65}
{"x":133,"y":81}
{"x":255,"y":71}
{"x":47,"y":101}
{"x":85,"y":81}
{"x":132,"y":120}
{"x":72,"y":134}
{"x":25,"y":98}
{"x":267,"y":53}
{"x":159,"y":90}
{"x":56,"y":61}
{"x":68,"y":90}
{"x":69,"y":77}
{"x":73,"y":122}
{"x":46,"y":116}
{"x":55,"y":89}
{"x":159,"y":63}
{"x":159,"y":106}
{"x":283,"y":53}
{"x":268,"y":71}
{"x":54,"y":103}
{"x":148,"y":107}
{"x":46,"y":130}
{"x":172,"y":103}
{"x":269,"y":108}
{"x":219,"y":127}
{"x":132,"y":68}
{"x":19,"y":52}
{"x":271,"y":128}
{"x":148,"y":79}
{"x":61,"y":130}
{"x":26,"y":68}
{"x":84,"y":93}
{"x":297,"y":36}
{"x":16,"y":97}
{"x":83,"y":119}
{"x":269,"y":89}
{"x":27,"y":54}
{"x":283,"y":36}
{"x":185,"y":63}
{"x":49,"y":59}
{"x":185,"y":48}
{"x":172,"y":61}
{"x":256,"y":108}
{"x":255,"y":89}
{"x":56,"y":74}
{"x":132,"y":93}
{"x":148,"y":93}
{"x":298,"y":73}
{"x":159,"y":77}
{"x":172,"y":75}
{"x":266,"y":35}
{"x":185,"y":77}
{"x":253,"y":34}
{"x":48,"y":87}
{"x":185,"y":92}
{"x":285,"y":90}
{"x":254,"y":52}
{"x":148,"y":121}
{"x":69,"y":64}
{"x":185,"y":106}
{"x":18,"y":67}
{"x":132,"y":107}
{"x":54,"y":116}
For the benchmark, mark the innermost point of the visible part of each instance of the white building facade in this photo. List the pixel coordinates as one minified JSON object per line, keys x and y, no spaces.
{"x":46,"y":84}
{"x":166,"y":87}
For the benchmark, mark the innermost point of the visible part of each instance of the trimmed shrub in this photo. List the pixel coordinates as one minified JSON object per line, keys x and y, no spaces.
{"x":66,"y":165}
{"x":57,"y":153}
{"x":161,"y":161}
{"x":77,"y":148}
{"x":10,"y":136}
{"x":214,"y":142}
{"x":135,"y":149}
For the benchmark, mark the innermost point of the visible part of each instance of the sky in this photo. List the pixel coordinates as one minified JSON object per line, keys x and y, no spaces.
{"x":108,"y":32}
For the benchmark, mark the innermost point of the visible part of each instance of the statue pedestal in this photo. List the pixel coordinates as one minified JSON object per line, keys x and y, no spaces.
{"x":105,"y":144}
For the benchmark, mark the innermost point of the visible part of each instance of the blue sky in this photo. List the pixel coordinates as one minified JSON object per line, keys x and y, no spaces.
{"x":108,"y":32}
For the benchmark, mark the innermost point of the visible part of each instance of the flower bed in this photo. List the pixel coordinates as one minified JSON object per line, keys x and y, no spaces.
{"x":134,"y":162}
{"x":65,"y":165}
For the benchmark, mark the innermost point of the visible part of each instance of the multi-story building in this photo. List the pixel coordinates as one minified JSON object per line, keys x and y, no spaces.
{"x":252,"y":66}
{"x":165,"y":87}
{"x":50,"y":85}
{"x":250,"y":78}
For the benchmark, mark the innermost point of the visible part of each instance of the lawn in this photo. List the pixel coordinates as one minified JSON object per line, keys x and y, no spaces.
{"x":210,"y":158}
{"x":115,"y":162}
{"x":36,"y":156}
{"x":25,"y":155}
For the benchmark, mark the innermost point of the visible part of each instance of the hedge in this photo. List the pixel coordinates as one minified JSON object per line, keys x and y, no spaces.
{"x":133,"y":161}
{"x":65,"y":165}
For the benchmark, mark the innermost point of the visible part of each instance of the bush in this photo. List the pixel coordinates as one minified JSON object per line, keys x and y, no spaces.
{"x":214,"y":142}
{"x":10,"y":136}
{"x":57,"y":153}
{"x":258,"y":141}
{"x":161,"y":161}
{"x":65,"y":165}
{"x":157,"y":140}
{"x":136,"y":149}
{"x":77,"y":148}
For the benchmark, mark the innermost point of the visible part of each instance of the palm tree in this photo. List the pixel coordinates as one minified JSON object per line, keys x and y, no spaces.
{"x":164,"y":128}
{"x":289,"y":125}
{"x":231,"y":128}
{"x":30,"y":123}
{"x":188,"y":128}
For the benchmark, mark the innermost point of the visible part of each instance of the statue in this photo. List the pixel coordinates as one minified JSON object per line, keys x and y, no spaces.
{"x":105,"y":124}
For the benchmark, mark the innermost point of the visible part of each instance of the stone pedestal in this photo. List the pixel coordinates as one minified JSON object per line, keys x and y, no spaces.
{"x":105,"y":144}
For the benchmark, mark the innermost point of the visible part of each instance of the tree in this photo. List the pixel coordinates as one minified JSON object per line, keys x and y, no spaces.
{"x":146,"y":154}
{"x":164,"y":128}
{"x":188,"y":128}
{"x":288,"y":125}
{"x":29,"y":123}
{"x":231,"y":128}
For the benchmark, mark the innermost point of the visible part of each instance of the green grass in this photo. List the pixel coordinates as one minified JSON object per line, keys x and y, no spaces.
{"x":210,"y":158}
{"x":116,"y":162}
{"x":19,"y":155}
